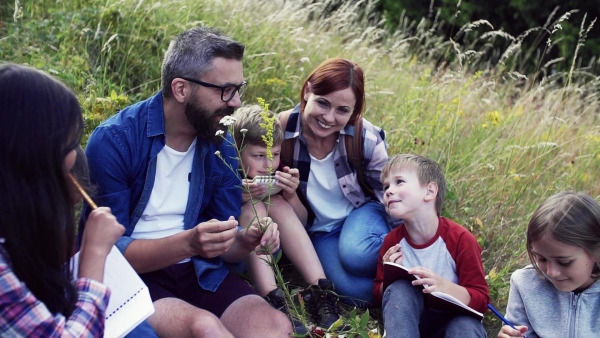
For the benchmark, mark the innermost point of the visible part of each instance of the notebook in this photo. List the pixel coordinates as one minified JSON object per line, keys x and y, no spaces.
{"x":435,"y":300}
{"x":129,"y":302}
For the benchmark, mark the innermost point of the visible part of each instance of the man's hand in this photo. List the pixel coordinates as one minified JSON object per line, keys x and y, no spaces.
{"x":213,"y":238}
{"x":261,"y":237}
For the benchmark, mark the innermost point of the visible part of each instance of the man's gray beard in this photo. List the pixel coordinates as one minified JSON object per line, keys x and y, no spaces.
{"x":204,"y":123}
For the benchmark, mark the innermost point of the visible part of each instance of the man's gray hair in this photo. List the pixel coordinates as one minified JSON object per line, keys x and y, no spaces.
{"x":190,"y":54}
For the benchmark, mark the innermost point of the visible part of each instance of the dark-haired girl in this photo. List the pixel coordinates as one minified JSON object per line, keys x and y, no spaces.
{"x":40,"y":128}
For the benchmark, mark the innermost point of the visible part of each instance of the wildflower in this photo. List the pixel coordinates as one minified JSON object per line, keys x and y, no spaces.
{"x":218,"y":153}
{"x":219,"y":133}
{"x":267,"y":124}
{"x":494,"y":117}
{"x":227,"y":121}
{"x":243,"y":130}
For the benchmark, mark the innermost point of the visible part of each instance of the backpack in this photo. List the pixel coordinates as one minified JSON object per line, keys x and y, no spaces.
{"x":354,"y":149}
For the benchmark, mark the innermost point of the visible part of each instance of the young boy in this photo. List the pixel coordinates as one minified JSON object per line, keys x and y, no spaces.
{"x":286,"y":209}
{"x":443,"y":254}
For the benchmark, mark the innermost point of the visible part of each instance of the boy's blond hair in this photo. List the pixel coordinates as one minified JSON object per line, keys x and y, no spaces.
{"x":427,"y":171}
{"x":248,"y":118}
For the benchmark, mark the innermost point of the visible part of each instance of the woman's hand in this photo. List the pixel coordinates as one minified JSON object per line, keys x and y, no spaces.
{"x":508,"y":331}
{"x":288,"y":180}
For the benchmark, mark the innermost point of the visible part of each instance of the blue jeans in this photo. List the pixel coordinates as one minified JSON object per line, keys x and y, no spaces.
{"x":349,"y":253}
{"x":142,"y":331}
{"x":405,"y":315}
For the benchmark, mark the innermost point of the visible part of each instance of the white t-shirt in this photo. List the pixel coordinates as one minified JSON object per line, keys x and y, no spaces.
{"x":325,"y":196}
{"x":163,"y":215}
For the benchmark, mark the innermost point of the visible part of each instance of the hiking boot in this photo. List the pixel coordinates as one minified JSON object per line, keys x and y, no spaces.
{"x":277,"y":300}
{"x":321,"y":303}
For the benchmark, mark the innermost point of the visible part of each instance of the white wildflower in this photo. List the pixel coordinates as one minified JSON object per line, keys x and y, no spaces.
{"x":227,"y":121}
{"x":219,"y":133}
{"x":243,"y":131}
{"x":218,"y":153}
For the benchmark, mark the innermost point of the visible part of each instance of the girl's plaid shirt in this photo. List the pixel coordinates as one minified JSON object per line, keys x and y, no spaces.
{"x":22,"y":315}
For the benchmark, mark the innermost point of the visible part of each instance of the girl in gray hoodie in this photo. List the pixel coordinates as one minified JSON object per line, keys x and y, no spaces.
{"x":559,"y":294}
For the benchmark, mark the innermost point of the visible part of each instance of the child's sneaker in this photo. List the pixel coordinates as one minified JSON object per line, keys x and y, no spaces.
{"x":277,"y":299}
{"x":321,"y":303}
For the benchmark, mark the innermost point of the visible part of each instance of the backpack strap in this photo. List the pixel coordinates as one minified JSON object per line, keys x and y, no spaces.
{"x":354,"y":149}
{"x":287,"y":147}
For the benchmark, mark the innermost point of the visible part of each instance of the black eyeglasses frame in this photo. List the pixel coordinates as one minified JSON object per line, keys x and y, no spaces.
{"x":239,"y":88}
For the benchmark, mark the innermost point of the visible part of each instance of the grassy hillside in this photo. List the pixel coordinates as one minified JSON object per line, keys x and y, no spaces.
{"x":504,"y":141}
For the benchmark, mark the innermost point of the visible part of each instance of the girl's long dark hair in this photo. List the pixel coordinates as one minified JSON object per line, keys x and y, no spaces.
{"x":40,"y":123}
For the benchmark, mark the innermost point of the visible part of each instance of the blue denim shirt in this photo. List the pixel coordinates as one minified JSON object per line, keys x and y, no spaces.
{"x":122,"y":154}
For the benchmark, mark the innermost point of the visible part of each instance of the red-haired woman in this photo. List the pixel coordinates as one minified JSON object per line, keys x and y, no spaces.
{"x":345,"y":223}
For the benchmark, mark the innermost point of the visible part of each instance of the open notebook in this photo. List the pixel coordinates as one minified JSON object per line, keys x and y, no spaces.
{"x":435,"y":300}
{"x":130,"y":301}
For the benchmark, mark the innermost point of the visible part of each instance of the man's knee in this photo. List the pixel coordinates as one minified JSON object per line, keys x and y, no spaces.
{"x":257,"y":316}
{"x":207,"y":325}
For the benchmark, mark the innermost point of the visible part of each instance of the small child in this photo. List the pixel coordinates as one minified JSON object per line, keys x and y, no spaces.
{"x":443,"y":254}
{"x":559,"y":294}
{"x":287,"y":211}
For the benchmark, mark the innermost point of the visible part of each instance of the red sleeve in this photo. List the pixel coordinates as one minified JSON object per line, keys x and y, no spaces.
{"x":466,"y":252}
{"x":390,"y":240}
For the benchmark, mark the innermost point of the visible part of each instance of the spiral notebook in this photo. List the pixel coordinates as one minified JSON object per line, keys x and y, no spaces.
{"x":129,"y":302}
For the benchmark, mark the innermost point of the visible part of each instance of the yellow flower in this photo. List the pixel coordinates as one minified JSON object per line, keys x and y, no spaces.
{"x":494,"y":117}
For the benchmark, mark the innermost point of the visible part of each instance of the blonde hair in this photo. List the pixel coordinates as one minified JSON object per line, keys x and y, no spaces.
{"x":249,"y":118}
{"x":427,"y":171}
{"x":572,"y":218}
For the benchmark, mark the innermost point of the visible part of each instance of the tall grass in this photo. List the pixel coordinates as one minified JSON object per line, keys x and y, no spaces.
{"x":506,"y":140}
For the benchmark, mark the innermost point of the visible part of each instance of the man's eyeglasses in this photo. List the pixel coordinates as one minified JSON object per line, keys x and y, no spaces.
{"x":227,"y":92}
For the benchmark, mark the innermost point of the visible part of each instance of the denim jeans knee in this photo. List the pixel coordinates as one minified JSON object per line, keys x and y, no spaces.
{"x":353,"y":289}
{"x":361,"y":238}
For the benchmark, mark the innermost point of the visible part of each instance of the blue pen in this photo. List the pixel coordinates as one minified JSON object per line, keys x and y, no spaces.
{"x":499,"y":315}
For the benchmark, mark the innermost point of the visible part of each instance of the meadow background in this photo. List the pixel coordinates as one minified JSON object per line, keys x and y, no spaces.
{"x":505,"y":138}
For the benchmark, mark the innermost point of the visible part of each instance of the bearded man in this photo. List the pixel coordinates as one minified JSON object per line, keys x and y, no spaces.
{"x":154,"y":165}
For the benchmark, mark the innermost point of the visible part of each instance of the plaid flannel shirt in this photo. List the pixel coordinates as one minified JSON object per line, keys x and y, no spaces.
{"x":22,"y":315}
{"x":374,"y":152}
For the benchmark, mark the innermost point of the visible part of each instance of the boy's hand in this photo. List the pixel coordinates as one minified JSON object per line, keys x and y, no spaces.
{"x":252,"y":189}
{"x":288,"y":181}
{"x":508,"y":331}
{"x":394,"y":254}
{"x":430,"y":280}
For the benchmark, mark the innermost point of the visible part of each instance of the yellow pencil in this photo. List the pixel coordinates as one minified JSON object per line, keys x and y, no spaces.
{"x":86,"y":197}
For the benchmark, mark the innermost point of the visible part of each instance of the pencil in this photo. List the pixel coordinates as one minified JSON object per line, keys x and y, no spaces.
{"x":86,"y":197}
{"x":499,"y":315}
